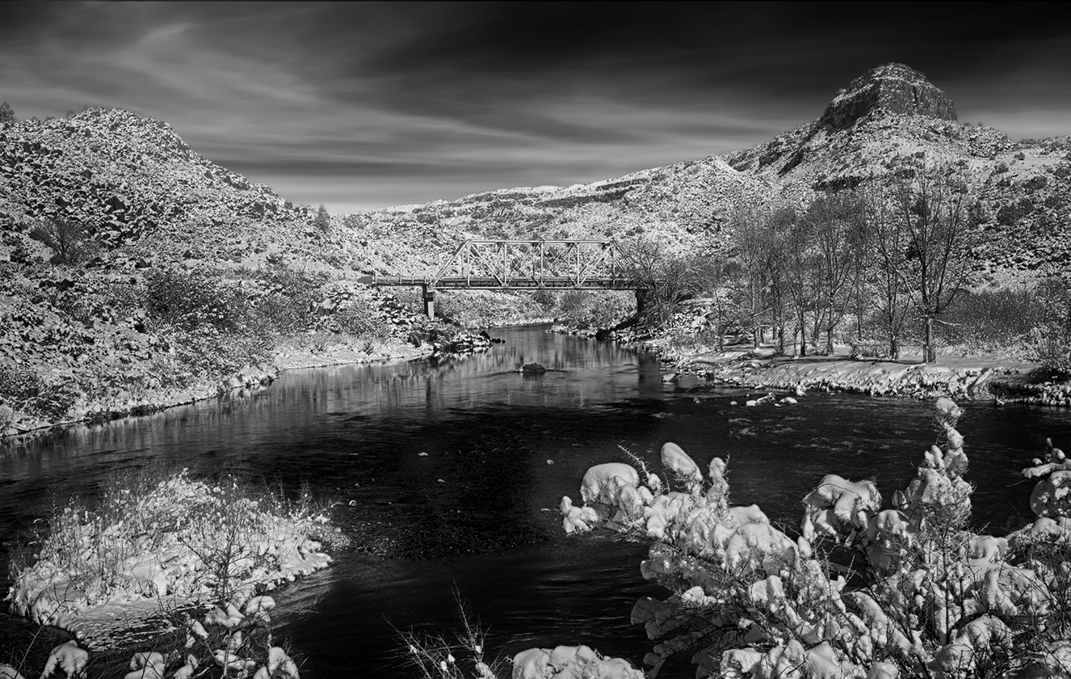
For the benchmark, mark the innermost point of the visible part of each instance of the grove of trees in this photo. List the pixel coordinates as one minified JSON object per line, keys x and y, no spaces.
{"x":860,"y":265}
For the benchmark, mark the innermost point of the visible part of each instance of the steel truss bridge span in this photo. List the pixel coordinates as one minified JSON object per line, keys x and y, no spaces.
{"x":523,"y":265}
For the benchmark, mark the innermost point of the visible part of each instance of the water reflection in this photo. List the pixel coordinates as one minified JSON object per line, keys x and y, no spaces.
{"x":501,"y":449}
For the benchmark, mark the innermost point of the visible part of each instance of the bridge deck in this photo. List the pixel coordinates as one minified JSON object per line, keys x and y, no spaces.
{"x":510,"y":284}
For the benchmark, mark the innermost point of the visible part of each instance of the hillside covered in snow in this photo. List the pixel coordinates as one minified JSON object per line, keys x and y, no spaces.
{"x":103,"y":209}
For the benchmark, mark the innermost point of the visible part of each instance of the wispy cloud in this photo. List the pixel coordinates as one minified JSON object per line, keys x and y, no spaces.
{"x":362,"y":105}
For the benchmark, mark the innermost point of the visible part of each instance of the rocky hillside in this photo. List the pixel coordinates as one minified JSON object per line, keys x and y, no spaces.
{"x":131,"y":181}
{"x":134,"y":212}
{"x":890,"y":111}
{"x":135,"y":182}
{"x":688,"y":204}
{"x":134,"y":273}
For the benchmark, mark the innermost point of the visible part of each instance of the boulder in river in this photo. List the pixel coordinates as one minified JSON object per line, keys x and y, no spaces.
{"x":532,"y":369}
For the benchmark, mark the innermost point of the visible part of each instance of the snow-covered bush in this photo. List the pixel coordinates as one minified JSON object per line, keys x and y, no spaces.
{"x":864,"y":589}
{"x":587,"y":310}
{"x":235,"y":639}
{"x":1050,"y":340}
{"x":178,"y":542}
{"x":227,"y":641}
{"x":23,"y":389}
{"x":192,"y":300}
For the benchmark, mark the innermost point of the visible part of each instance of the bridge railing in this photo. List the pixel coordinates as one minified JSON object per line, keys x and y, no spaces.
{"x":523,"y":265}
{"x":532,"y":263}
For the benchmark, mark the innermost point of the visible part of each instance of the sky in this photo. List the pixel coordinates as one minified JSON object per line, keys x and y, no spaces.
{"x":359,"y":106}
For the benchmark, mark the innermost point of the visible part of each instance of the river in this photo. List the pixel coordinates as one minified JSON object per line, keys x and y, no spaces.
{"x":448,"y":476}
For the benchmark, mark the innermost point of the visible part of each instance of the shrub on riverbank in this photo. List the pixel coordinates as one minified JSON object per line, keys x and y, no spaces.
{"x":176,"y":540}
{"x":861,"y":591}
{"x":1051,"y":338}
{"x":989,"y":321}
{"x":80,"y":342}
{"x":595,"y":310}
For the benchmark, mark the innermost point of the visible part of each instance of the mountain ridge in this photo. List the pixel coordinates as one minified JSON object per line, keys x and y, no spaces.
{"x":159,"y":216}
{"x":134,"y":180}
{"x":891,"y":111}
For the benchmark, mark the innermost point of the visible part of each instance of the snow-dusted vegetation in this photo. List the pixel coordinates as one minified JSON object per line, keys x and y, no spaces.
{"x":177,"y":543}
{"x":228,"y":642}
{"x":863,"y":589}
{"x":191,"y":558}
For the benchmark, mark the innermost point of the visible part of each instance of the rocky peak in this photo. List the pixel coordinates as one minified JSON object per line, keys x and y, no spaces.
{"x":894,"y":88}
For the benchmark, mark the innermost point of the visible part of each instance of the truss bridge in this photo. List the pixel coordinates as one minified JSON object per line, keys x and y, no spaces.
{"x":522,"y":265}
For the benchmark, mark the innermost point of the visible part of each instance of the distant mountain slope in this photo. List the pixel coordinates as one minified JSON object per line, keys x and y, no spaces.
{"x":688,"y":204}
{"x":892,"y":111}
{"x":137,"y":187}
{"x":888,"y":112}
{"x":90,"y":335}
{"x":134,"y":182}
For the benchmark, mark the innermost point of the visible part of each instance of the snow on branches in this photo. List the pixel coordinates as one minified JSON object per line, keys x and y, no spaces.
{"x":863,"y":590}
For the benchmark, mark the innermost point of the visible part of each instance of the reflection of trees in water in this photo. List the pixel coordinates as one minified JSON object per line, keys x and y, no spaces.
{"x":299,"y":399}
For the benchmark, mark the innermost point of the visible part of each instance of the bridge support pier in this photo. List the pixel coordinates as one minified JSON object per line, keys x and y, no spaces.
{"x":642,"y":297}
{"x":429,"y":300}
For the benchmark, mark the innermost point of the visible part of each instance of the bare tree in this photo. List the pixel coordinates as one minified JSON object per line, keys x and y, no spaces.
{"x":751,"y":242}
{"x":930,"y":207}
{"x":667,"y":279}
{"x":887,"y":245}
{"x":721,"y":272}
{"x":836,"y":227}
{"x":801,"y":267}
{"x":66,"y":238}
{"x":780,"y":275}
{"x":779,"y":248}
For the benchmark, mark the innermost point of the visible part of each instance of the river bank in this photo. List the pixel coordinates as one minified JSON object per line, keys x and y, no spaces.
{"x":151,"y":398}
{"x":380,"y":438}
{"x":997,"y":378}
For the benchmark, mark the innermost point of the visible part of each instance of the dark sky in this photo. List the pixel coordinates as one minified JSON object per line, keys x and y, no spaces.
{"x":365,"y":105}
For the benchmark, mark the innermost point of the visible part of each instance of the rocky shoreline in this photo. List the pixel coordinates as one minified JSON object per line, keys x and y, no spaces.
{"x":986,"y":378}
{"x":248,"y":380}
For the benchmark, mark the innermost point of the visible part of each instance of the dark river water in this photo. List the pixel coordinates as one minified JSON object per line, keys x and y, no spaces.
{"x":478,"y":513}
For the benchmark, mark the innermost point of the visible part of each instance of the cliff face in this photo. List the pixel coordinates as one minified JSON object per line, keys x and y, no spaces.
{"x":892,"y":88}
